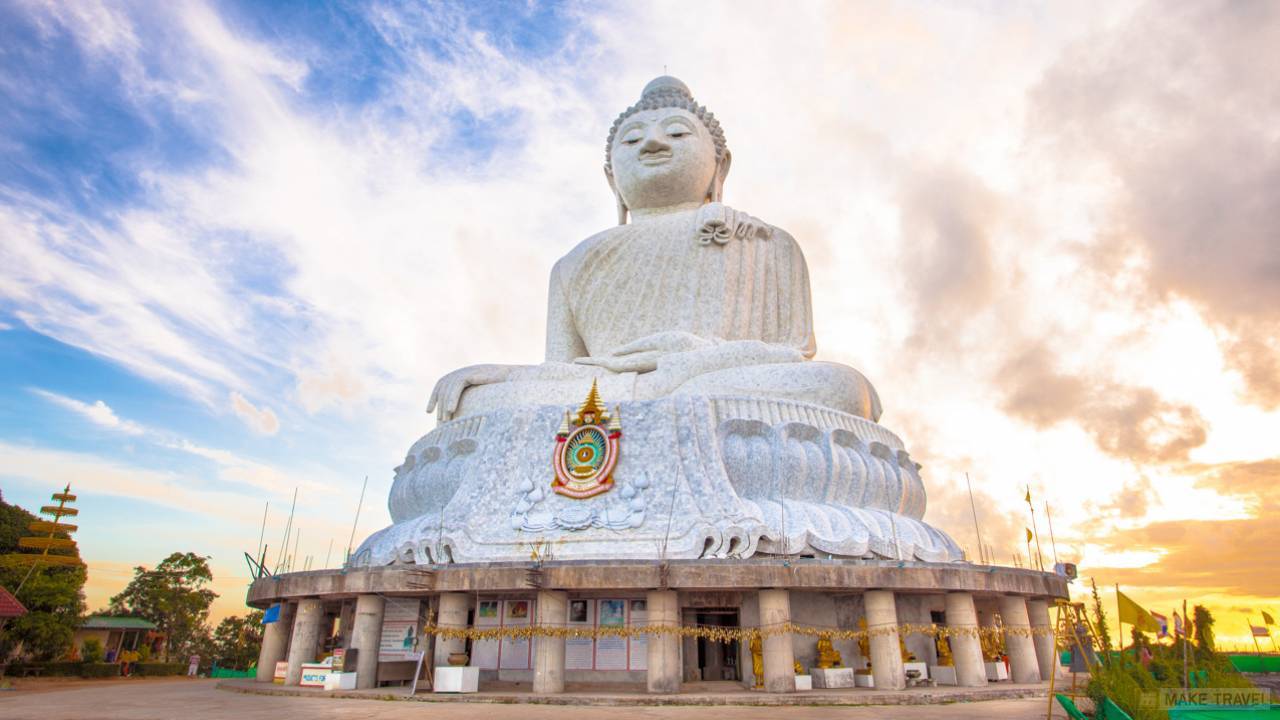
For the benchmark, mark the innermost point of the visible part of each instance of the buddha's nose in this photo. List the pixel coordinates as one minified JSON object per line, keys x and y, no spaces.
{"x":654,"y":144}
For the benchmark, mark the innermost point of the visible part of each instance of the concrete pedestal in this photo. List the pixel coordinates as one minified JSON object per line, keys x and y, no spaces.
{"x":832,"y":677}
{"x":452,"y":614}
{"x":943,"y":674}
{"x":663,"y":661}
{"x":882,"y":623}
{"x":1038,"y":612}
{"x":305,"y":638}
{"x":457,"y":680}
{"x":366,"y":634}
{"x":966,"y":649}
{"x":548,"y":652}
{"x":779,"y":657}
{"x":1023,"y":665}
{"x":275,"y":640}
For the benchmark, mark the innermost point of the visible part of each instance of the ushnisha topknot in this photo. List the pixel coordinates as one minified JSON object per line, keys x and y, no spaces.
{"x":668,"y":92}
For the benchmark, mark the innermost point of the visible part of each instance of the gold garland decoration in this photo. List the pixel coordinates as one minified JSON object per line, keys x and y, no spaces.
{"x":729,"y":634}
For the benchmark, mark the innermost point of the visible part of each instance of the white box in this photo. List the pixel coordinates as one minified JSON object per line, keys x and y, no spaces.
{"x":996,"y":671}
{"x":804,"y":682}
{"x":943,"y":674}
{"x":832,"y":677}
{"x":864,"y":680}
{"x":450,"y":678}
{"x":340,"y":681}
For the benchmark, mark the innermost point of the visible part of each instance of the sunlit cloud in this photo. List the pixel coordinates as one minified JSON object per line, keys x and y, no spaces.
{"x":98,"y":413}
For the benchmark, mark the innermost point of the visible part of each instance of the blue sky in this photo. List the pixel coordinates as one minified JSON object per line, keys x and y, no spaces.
{"x":239,"y":242}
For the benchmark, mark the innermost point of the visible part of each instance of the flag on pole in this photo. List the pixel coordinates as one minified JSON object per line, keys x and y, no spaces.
{"x":1133,"y":614}
{"x":1177,"y":623}
{"x":1266,"y":618}
{"x":1028,"y":494}
{"x":1259,"y":631}
{"x":1028,"y":534}
{"x":1163,"y":622}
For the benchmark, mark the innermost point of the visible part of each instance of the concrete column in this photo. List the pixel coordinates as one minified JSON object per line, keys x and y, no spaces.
{"x":305,"y":638}
{"x":1038,"y":610}
{"x":886,"y":655}
{"x":452,"y":614}
{"x":966,"y":648}
{"x":1023,"y":666}
{"x":275,"y":640}
{"x":664,"y":666}
{"x":548,"y":652}
{"x":779,"y":657}
{"x":366,"y":635}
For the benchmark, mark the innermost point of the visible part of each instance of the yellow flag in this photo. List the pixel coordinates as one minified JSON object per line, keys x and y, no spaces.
{"x":1266,"y":618}
{"x":1133,"y":614}
{"x":1028,"y":494}
{"x":1029,"y":535}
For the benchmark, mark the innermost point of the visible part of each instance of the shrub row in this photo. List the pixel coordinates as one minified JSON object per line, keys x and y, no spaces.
{"x":152,"y":669}
{"x":63,"y":669}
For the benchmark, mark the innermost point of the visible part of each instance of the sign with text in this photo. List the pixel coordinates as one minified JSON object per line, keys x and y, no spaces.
{"x":399,"y":630}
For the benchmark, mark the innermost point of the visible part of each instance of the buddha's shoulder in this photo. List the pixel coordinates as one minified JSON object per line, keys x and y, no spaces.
{"x":718,"y":223}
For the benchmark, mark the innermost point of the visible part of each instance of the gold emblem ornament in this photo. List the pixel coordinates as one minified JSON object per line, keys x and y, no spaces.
{"x":586,"y":449}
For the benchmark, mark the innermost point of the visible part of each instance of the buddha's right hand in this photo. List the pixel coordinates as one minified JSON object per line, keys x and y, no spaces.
{"x":448,"y":391}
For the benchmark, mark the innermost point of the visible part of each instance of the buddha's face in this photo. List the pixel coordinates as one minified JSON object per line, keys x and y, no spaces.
{"x":661,"y":158}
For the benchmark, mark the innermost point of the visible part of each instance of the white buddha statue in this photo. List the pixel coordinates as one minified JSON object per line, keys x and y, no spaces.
{"x":686,"y":296}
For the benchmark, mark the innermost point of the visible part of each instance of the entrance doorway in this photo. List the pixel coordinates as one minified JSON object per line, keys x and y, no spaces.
{"x":717,"y":660}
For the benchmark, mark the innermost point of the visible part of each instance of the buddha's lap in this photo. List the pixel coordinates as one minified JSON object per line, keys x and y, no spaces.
{"x":831,"y":385}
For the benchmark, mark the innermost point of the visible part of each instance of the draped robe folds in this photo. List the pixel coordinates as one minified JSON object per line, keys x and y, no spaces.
{"x":715,"y":273}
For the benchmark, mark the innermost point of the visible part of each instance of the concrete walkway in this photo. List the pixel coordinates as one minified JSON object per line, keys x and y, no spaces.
{"x":692,"y":694}
{"x":201,"y":700}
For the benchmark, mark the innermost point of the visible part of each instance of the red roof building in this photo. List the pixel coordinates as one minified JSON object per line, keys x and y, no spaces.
{"x":9,"y":605}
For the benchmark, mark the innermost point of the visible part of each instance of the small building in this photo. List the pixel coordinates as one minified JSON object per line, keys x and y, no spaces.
{"x":9,"y":606}
{"x":117,"y":634}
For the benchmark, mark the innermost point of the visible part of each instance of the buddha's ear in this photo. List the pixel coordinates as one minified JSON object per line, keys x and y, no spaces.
{"x":717,"y":182}
{"x":617,"y":196}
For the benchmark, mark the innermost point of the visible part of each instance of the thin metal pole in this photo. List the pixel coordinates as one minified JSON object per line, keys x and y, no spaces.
{"x":357,"y":520}
{"x":288,"y":527}
{"x":263,"y":533}
{"x":296,"y":542}
{"x":974,"y":508}
{"x":1053,"y":543}
{"x":1035,"y":532}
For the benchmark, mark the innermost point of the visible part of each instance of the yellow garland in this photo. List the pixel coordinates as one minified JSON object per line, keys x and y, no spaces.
{"x":727,"y":634}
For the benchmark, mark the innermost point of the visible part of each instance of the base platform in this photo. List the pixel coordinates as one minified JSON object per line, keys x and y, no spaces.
{"x":697,"y":694}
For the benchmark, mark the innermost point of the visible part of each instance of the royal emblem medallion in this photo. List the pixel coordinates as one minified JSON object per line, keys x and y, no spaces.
{"x":586,"y":449}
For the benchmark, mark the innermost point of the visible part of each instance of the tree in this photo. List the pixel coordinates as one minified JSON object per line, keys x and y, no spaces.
{"x":1204,"y":631}
{"x":174,"y":597}
{"x":53,"y":595}
{"x":236,"y":640}
{"x":1100,"y":624}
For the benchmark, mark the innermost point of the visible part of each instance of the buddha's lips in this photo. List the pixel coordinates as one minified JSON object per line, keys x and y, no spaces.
{"x":656,"y":158}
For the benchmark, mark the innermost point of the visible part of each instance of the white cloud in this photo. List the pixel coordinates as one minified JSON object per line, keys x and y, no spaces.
{"x":261,"y":420}
{"x":98,"y":413}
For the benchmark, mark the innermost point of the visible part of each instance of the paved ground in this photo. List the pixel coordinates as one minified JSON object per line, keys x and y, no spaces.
{"x":200,"y":700}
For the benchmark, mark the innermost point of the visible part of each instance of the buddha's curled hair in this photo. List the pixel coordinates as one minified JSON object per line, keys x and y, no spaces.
{"x":668,"y":92}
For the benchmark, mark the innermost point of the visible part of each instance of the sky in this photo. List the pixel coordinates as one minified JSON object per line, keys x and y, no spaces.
{"x":240,"y":241}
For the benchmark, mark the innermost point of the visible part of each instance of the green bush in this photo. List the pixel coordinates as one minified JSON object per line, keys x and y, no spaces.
{"x":144,"y":653}
{"x":99,"y":670}
{"x":159,"y":668}
{"x":91,"y":651}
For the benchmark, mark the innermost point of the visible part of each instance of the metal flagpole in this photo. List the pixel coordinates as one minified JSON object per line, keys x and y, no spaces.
{"x":263,"y":534}
{"x":976,"y":529}
{"x":357,"y":520}
{"x":1053,"y":543}
{"x":1186,"y":628}
{"x":1035,"y":531}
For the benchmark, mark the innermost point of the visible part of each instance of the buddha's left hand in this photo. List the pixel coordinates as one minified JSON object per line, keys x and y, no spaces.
{"x":642,"y":355}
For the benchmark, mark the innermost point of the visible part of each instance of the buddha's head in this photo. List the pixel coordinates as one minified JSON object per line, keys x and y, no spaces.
{"x":665,"y":150}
